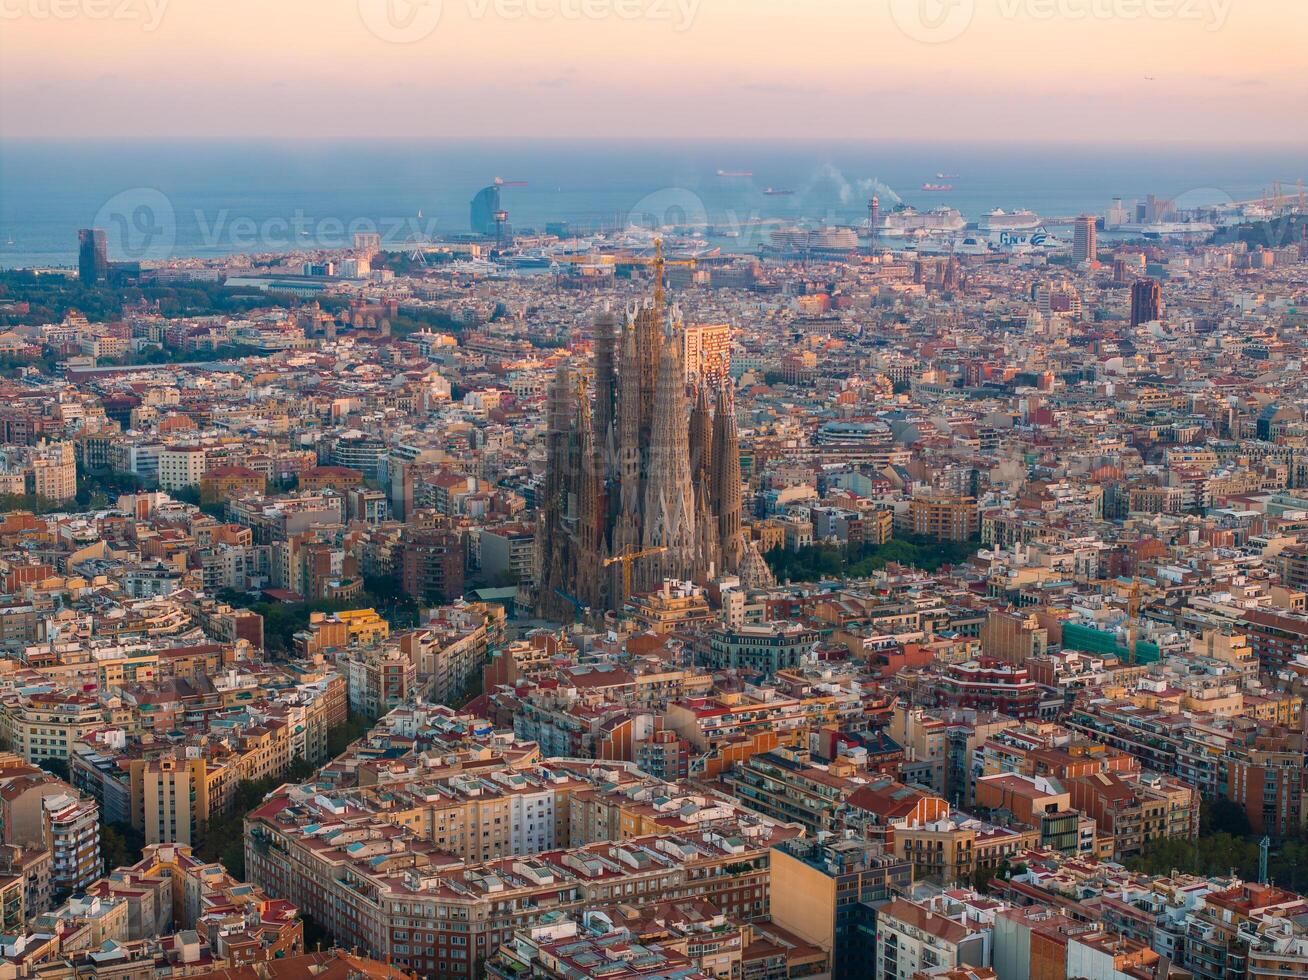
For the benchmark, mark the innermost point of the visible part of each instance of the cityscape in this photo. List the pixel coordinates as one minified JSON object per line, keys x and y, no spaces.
{"x":725,"y":529}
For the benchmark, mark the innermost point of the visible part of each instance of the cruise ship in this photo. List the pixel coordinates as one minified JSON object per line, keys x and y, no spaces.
{"x":909,"y":223}
{"x":816,"y":239}
{"x":1001,"y":220}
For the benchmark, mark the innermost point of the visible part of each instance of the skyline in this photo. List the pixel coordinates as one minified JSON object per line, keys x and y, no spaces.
{"x":692,"y":69}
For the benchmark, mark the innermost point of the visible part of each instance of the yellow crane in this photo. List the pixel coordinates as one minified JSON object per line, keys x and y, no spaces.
{"x":627,"y":557}
{"x":660,"y":264}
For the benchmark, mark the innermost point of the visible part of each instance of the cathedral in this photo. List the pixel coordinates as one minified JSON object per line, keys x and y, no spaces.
{"x":643,"y":484}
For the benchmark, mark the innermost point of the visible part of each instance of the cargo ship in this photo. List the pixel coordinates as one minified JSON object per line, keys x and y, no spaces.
{"x":774,"y":192}
{"x":735,"y":173}
{"x":936,"y":188}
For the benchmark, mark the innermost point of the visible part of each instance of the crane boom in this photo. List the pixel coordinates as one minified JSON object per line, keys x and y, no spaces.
{"x":627,"y":558}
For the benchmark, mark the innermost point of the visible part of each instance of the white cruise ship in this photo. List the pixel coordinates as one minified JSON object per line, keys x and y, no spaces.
{"x":909,"y":223}
{"x":1001,"y":220}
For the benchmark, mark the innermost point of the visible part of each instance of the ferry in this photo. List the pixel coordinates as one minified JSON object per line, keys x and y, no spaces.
{"x":735,"y":173}
{"x":978,"y":242}
{"x":1156,"y":230}
{"x":946,"y":176}
{"x":936,"y":188}
{"x":774,"y":192}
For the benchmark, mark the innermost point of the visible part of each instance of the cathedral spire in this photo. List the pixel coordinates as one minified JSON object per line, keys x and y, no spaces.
{"x":554,"y":557}
{"x":627,"y":523}
{"x":669,"y":500}
{"x":592,"y":508}
{"x":725,"y":482}
{"x":606,"y":379}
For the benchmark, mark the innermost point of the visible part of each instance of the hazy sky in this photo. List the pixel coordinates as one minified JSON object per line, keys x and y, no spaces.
{"x":1030,"y":69}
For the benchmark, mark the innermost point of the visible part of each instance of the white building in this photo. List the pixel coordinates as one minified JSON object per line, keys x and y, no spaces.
{"x":181,"y":466}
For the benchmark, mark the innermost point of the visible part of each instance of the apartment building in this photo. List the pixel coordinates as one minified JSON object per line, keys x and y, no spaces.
{"x":390,"y":888}
{"x":822,"y":890}
{"x":73,"y":836}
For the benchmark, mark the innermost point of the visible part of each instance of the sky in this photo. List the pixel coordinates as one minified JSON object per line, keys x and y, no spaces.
{"x":1057,"y":70}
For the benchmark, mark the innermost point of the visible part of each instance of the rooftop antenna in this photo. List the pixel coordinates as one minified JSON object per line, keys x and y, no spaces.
{"x":1264,"y":846}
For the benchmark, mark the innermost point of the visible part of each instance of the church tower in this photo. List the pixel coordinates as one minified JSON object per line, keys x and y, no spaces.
{"x":725,"y":482}
{"x":553,"y":544}
{"x":669,"y":511}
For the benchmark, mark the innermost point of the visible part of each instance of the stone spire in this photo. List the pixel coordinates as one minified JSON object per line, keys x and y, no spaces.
{"x":592,"y":509}
{"x":553,"y":546}
{"x":627,"y":523}
{"x":725,"y":482}
{"x":707,"y":559}
{"x":606,"y":379}
{"x":701,"y":436}
{"x":648,"y":328}
{"x":754,"y":571}
{"x":669,"y":510}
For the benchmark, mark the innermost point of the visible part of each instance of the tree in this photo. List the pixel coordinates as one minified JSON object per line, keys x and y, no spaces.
{"x":1224,"y":816}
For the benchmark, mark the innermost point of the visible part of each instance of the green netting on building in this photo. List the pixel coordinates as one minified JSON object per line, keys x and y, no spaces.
{"x":1087,"y":639}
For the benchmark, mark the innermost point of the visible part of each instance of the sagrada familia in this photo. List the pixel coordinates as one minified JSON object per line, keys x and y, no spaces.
{"x":643,"y":486}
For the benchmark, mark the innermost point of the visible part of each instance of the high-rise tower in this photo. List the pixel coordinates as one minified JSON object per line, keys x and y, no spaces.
{"x":92,"y":256}
{"x":1146,"y":301}
{"x":1084,"y":248}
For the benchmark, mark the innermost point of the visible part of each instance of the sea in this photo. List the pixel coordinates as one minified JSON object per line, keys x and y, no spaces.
{"x":162,"y":200}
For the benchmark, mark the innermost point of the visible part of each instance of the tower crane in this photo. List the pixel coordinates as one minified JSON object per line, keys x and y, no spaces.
{"x":660,"y":264}
{"x":627,"y":557}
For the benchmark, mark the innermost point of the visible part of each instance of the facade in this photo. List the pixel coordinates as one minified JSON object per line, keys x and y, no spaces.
{"x":910,"y":938}
{"x":54,"y":471}
{"x":92,"y":256}
{"x":431,"y":564}
{"x":181,"y":467}
{"x":820,"y":891}
{"x":1146,"y":301}
{"x":670,"y":490}
{"x":390,"y":886}
{"x":1084,"y":248}
{"x":73,"y":832}
{"x":764,"y":648}
{"x":944,"y":517}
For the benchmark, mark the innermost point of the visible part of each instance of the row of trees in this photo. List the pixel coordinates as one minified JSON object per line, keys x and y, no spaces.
{"x":1227,"y":844}
{"x":51,"y":298}
{"x":282,"y":620}
{"x":827,"y":561}
{"x":224,"y":840}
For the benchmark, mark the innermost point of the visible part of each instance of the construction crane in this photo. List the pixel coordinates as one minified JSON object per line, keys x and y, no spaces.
{"x":660,"y":264}
{"x":1133,"y":620}
{"x":627,"y":557}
